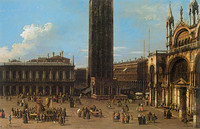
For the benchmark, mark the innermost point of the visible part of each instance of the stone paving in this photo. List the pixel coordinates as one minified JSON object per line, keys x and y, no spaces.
{"x":106,"y":122}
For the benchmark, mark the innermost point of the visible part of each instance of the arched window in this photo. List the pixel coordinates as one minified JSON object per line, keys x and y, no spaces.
{"x":54,"y":75}
{"x":14,"y":75}
{"x":188,"y":40}
{"x":26,"y":75}
{"x":179,"y":70}
{"x":185,"y":41}
{"x":175,"y":45}
{"x":7,"y":74}
{"x":179,"y":43}
{"x":40,"y":75}
{"x":47,"y":75}
{"x":61,"y":75}
{"x":33,"y":74}
{"x":20,"y":75}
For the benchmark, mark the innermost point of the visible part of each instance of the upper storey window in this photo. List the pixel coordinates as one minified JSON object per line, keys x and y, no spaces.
{"x":182,"y":38}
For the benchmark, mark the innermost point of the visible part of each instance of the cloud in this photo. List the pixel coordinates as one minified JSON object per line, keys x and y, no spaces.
{"x":119,"y":48}
{"x":83,"y":50}
{"x":117,"y":55}
{"x":34,"y":37}
{"x":136,"y":52}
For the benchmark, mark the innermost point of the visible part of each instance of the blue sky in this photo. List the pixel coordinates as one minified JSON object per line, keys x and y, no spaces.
{"x":32,"y":28}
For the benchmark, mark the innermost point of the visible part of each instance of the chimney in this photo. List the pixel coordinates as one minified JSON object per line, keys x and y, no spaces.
{"x":73,"y":61}
{"x":8,"y":60}
{"x":48,"y":55}
{"x":62,"y":53}
{"x":19,"y":59}
{"x":53,"y":54}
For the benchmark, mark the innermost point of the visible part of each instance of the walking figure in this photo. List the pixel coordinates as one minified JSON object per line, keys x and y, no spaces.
{"x":9,"y":118}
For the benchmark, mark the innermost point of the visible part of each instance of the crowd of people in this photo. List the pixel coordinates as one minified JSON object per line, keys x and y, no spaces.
{"x":124,"y":117}
{"x":86,"y":112}
{"x":59,"y":114}
{"x":17,"y":112}
{"x":2,"y":113}
{"x":140,"y":107}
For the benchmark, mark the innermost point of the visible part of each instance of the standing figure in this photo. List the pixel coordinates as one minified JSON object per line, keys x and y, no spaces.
{"x":25,"y":120}
{"x":9,"y":118}
{"x":122,"y":118}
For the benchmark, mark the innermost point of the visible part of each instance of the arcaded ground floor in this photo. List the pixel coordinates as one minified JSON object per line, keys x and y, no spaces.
{"x":37,"y":89}
{"x":106,"y":122}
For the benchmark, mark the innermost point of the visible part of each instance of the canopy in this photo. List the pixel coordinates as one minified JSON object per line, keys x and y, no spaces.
{"x":138,"y":93}
{"x":86,"y":91}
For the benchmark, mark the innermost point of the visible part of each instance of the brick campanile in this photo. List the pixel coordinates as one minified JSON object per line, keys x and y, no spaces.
{"x":100,"y":63}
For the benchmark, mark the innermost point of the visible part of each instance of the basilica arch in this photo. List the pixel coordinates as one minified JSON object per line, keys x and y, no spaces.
{"x":179,"y":69}
{"x":179,"y":81}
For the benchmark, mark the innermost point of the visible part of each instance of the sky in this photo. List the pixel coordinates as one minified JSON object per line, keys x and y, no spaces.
{"x":32,"y":28}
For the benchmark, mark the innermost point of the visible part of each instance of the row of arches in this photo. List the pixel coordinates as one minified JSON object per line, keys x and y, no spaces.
{"x":178,"y":68}
{"x":40,"y":75}
{"x":183,"y":42}
{"x":31,"y":90}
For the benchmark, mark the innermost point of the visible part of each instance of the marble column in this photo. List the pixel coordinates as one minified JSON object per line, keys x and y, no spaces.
{"x":57,"y":92}
{"x":10,"y":90}
{"x":71,"y":90}
{"x":57,"y":75}
{"x":70,"y":74}
{"x":64,"y":75}
{"x":44,"y":90}
{"x":4,"y":90}
{"x":50,"y":90}
{"x":24,"y":90}
{"x":17,"y":90}
{"x":37,"y":90}
{"x":64,"y":89}
{"x":30,"y":75}
{"x":167,"y":96}
{"x":10,"y":77}
{"x":44,"y":75}
{"x":156,"y":97}
{"x":30,"y":90}
{"x":188,"y":101}
{"x":4,"y":75}
{"x":23,"y":75}
{"x":191,"y":101}
{"x":175,"y":97}
{"x":163,"y":95}
{"x":37,"y":75}
{"x":50,"y":76}
{"x":17,"y":75}
{"x":178,"y":97}
{"x":150,"y":96}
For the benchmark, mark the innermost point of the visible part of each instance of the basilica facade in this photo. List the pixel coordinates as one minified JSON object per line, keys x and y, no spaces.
{"x":174,"y":74}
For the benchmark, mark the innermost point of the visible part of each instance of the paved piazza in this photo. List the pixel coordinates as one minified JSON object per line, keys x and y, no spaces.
{"x":106,"y":122}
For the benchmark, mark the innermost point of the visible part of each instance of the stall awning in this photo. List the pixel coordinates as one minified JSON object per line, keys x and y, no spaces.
{"x":86,"y":91}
